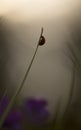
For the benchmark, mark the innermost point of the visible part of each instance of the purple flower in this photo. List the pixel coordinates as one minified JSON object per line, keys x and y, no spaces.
{"x":3,"y":104}
{"x":13,"y":120}
{"x":14,"y":117}
{"x":35,"y":111}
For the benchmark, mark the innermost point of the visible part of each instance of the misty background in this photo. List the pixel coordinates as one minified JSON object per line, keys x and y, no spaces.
{"x":52,"y":71}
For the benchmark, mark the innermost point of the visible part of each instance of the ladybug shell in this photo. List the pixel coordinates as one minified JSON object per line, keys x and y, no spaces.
{"x":42,"y":41}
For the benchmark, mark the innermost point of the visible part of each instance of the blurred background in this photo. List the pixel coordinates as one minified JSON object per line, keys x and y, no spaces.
{"x":56,"y":71}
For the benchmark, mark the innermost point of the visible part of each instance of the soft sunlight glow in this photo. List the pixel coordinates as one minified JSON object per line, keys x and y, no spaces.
{"x":32,"y":9}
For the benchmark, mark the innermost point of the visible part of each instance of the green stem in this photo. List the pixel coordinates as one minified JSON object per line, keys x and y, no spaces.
{"x":2,"y":119}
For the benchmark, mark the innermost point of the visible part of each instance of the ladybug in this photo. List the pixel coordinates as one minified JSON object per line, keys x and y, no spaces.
{"x":42,"y":41}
